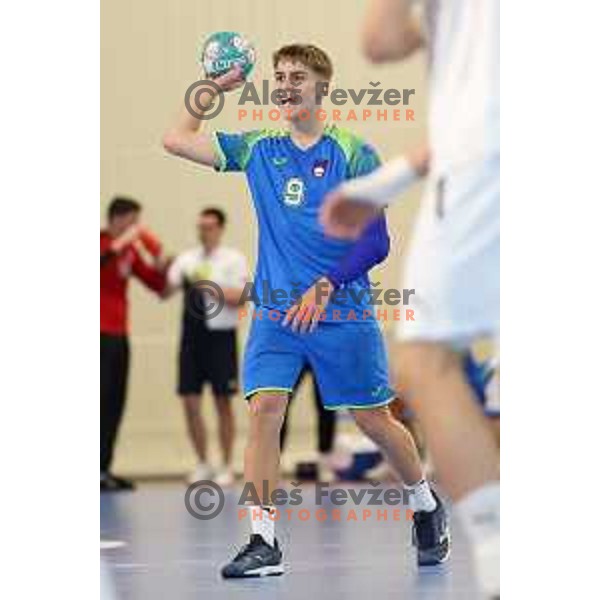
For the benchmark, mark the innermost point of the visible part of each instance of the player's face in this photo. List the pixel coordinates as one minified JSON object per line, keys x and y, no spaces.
{"x":298,"y":81}
{"x":121,"y":223}
{"x":209,"y":231}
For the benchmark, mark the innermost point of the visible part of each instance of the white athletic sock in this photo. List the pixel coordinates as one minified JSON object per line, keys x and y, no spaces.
{"x":262,"y":523}
{"x":420,"y":497}
{"x":479,"y":513}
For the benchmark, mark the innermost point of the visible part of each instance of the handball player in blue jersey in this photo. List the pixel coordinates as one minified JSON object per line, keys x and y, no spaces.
{"x":317,"y":312}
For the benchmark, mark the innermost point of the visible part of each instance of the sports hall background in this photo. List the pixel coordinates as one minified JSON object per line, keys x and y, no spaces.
{"x":148,"y":59}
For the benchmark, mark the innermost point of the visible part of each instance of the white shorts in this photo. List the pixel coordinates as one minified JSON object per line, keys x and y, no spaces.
{"x":454,"y":259}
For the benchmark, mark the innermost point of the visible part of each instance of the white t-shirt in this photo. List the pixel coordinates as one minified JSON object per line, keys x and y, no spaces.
{"x":464,"y":114}
{"x":224,"y":266}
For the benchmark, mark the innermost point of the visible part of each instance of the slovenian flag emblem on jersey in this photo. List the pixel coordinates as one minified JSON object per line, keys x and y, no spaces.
{"x":320,"y":167}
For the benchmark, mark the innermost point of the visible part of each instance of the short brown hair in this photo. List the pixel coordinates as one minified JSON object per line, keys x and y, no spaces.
{"x":217,"y":213}
{"x":122,"y":205}
{"x":307,"y":54}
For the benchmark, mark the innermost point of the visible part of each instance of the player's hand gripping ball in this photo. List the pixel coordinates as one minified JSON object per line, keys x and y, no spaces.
{"x":225,"y":49}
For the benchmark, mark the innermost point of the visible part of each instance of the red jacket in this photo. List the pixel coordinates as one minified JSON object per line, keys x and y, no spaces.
{"x":115,"y":270}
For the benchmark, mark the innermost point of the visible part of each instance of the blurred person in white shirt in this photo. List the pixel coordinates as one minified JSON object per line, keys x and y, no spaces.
{"x":212,"y":277}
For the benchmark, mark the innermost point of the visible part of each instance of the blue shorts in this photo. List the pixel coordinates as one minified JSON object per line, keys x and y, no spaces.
{"x":347,"y":359}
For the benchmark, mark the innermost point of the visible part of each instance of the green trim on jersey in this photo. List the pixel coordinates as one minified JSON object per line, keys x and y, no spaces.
{"x":352,"y":146}
{"x":251,"y":138}
{"x":220,"y":158}
{"x":360,"y":157}
{"x":349,"y":142}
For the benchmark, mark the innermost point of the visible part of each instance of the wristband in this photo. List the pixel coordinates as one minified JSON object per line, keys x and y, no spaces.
{"x":380,"y":186}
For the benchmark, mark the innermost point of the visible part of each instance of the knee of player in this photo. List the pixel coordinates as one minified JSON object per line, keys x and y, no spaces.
{"x":372,"y":421}
{"x":268,"y":404}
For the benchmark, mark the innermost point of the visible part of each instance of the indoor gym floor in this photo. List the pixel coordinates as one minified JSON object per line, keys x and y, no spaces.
{"x":166,"y":553}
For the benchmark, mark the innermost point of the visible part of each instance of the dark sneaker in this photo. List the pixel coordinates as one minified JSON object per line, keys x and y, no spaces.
{"x":431,"y":535}
{"x":255,"y":559}
{"x":110,"y":483}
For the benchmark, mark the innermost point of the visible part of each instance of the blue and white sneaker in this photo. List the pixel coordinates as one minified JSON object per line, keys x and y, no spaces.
{"x":255,"y":559}
{"x":431,"y":535}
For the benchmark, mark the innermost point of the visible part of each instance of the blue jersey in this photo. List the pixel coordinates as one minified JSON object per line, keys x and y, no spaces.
{"x":288,"y":185}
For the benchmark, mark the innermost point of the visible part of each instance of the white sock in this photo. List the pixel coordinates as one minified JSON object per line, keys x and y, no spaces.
{"x":420,"y":497}
{"x":262,"y":523}
{"x":479,"y":513}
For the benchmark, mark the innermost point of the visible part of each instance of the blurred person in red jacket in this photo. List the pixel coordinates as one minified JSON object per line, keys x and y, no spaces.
{"x":123,"y":246}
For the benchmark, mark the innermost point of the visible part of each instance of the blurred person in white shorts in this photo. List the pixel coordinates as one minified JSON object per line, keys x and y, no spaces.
{"x":453,"y":264}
